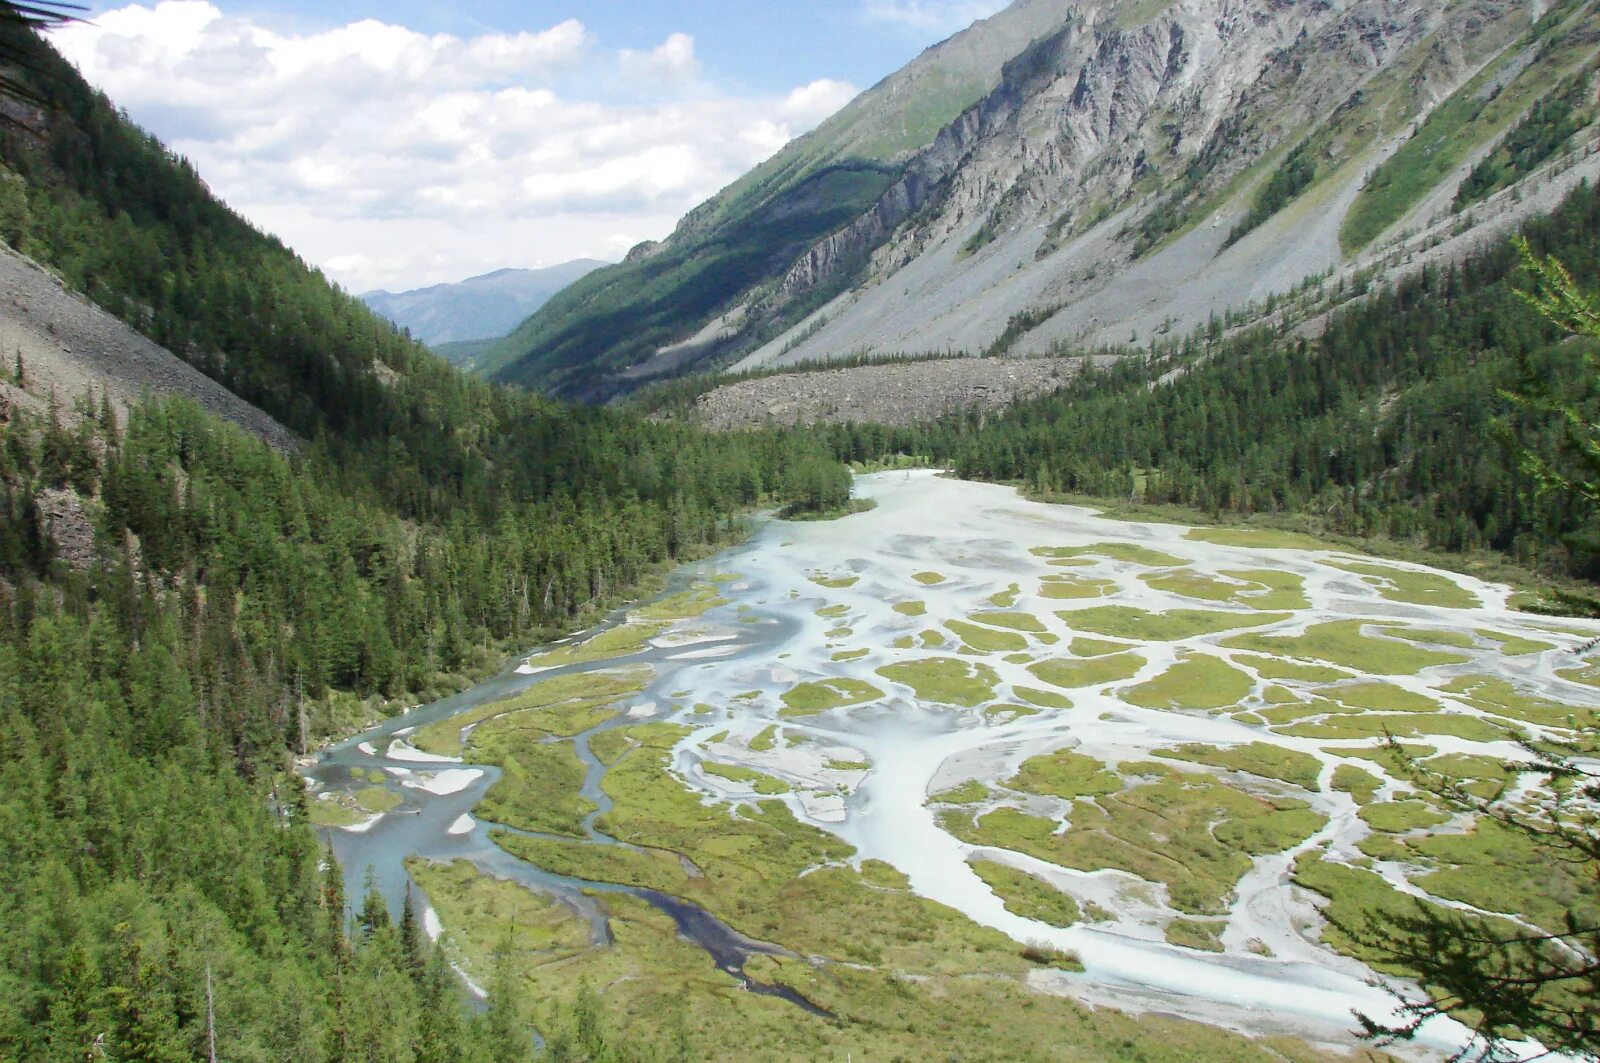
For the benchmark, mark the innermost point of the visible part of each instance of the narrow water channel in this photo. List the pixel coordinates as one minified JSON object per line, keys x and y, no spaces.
{"x":444,"y":827}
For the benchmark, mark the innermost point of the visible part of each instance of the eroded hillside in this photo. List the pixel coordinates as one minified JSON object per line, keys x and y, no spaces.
{"x":1136,"y":169}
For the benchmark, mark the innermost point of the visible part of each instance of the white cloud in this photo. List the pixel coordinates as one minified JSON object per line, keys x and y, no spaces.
{"x":394,"y":158}
{"x":673,"y":60}
{"x":942,"y":17}
{"x":809,"y":104}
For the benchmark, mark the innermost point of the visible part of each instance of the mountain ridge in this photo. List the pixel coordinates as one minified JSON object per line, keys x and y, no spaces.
{"x":1120,"y":180}
{"x":755,"y":227}
{"x":484,"y":307}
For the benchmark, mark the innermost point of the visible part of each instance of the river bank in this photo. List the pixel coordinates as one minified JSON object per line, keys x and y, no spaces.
{"x":871,"y":712}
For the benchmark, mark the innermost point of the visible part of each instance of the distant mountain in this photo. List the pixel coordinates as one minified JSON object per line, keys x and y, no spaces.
{"x":1079,"y":174}
{"x":478,"y":308}
{"x":751,"y":232}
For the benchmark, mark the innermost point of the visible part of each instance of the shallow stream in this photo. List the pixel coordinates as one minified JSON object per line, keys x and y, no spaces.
{"x":818,"y":602}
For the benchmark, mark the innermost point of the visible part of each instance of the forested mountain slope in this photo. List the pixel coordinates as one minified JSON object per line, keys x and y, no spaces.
{"x":65,"y":346}
{"x":746,"y":236}
{"x":1394,"y":421}
{"x":183,"y":609}
{"x":1135,"y":170}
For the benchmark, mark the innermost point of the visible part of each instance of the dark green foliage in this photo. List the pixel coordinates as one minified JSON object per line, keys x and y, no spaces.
{"x":1019,"y":326}
{"x":137,"y":864}
{"x":1543,"y":132}
{"x":819,"y":486}
{"x":1290,"y":179}
{"x":1387,"y":424}
{"x":618,"y":316}
{"x":1163,"y":219}
{"x":153,"y":839}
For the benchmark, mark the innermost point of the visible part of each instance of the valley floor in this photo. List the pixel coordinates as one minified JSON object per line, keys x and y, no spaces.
{"x":951,"y":768}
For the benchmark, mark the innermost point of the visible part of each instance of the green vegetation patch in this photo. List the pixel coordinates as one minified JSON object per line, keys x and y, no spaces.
{"x":350,"y":809}
{"x":987,"y":640}
{"x":911,"y":608}
{"x":1065,"y":774}
{"x":1202,"y":934}
{"x":1482,"y":776}
{"x":928,"y":579}
{"x":766,"y":740}
{"x":1257,"y":539}
{"x":1127,"y":622}
{"x":1394,"y":761}
{"x":1255,"y":588}
{"x":538,"y":788}
{"x":1588,"y":675}
{"x":1196,"y":681}
{"x":1381,"y":697}
{"x":850,"y":655}
{"x":1278,"y":668}
{"x":1005,"y":713}
{"x":696,"y":601}
{"x":1189,"y":831}
{"x":1069,"y":588}
{"x":1497,"y":869}
{"x":1433,"y":637}
{"x":946,"y":680}
{"x":1271,"y":589}
{"x":609,"y":745}
{"x":1189,"y":584}
{"x":650,"y":868}
{"x":1357,"y":782}
{"x":825,"y":694}
{"x":836,"y":583}
{"x":1500,"y":698}
{"x":971,"y":792}
{"x":1028,"y":895}
{"x":470,"y":903}
{"x":760,"y":782}
{"x":564,"y":705}
{"x":1515,"y":645}
{"x":1360,"y":906}
{"x":378,"y":799}
{"x":620,"y":641}
{"x":1412,"y":587}
{"x":1256,"y":758}
{"x":1014,"y":621}
{"x":1398,"y":817}
{"x":1045,"y":699}
{"x":1341,"y":642}
{"x":1086,"y":647}
{"x":1378,"y":725}
{"x":1007,"y":598}
{"x":1093,"y":672}
{"x":1132,"y":553}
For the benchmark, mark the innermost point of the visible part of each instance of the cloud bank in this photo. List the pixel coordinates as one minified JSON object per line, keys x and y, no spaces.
{"x":393,"y":158}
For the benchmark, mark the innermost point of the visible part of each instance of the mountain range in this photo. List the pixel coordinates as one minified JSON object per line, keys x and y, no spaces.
{"x":478,"y":308}
{"x":1067,"y":177}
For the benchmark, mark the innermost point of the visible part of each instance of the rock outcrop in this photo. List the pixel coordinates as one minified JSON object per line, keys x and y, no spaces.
{"x":1093,"y":194}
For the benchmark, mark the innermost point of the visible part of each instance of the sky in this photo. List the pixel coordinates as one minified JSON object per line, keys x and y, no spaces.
{"x":402,"y":144}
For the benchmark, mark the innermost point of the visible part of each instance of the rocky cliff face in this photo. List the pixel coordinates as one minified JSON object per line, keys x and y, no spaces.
{"x":1067,"y":192}
{"x":1139,"y":167}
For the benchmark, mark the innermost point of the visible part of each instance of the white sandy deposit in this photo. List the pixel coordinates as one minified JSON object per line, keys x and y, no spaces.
{"x":978,"y":538}
{"x":445,"y":783}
